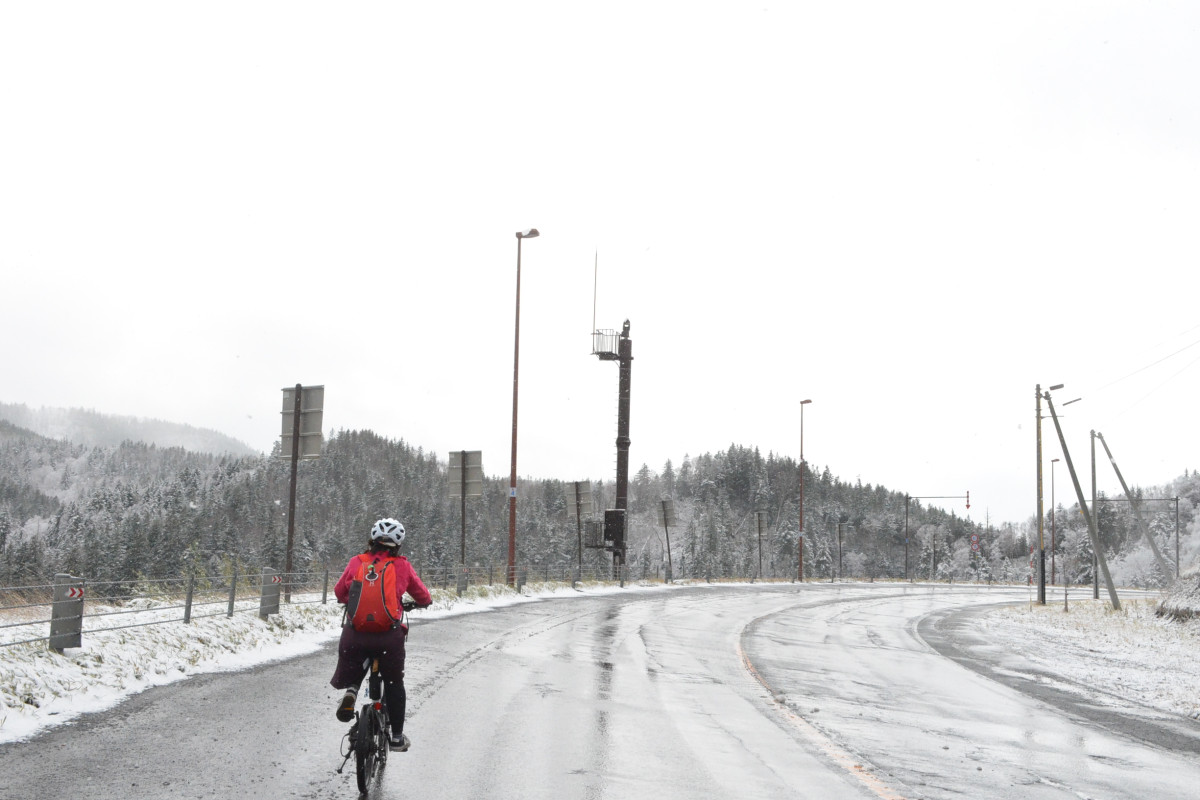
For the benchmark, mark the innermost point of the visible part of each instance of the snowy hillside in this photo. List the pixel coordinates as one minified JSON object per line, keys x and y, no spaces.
{"x":91,"y":429}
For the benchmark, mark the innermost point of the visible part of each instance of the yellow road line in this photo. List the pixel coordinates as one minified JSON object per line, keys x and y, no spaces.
{"x":823,"y":742}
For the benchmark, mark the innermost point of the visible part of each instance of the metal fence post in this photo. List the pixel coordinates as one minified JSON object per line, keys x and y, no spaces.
{"x":268,"y":602}
{"x":66,"y":618}
{"x":232,"y":591}
{"x":462,"y":581}
{"x":522,"y":573}
{"x":187,"y":600}
{"x":325,"y":588}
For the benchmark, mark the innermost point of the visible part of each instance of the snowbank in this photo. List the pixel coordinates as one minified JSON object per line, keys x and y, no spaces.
{"x":1182,"y":600}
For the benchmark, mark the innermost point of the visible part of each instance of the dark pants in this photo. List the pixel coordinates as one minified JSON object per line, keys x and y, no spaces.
{"x":355,"y":651}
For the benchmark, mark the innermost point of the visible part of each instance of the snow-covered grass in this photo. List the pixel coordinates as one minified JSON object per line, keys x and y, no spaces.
{"x":1132,"y":654}
{"x":1183,"y":598}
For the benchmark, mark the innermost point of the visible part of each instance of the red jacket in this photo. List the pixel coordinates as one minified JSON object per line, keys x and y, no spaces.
{"x":406,"y":579}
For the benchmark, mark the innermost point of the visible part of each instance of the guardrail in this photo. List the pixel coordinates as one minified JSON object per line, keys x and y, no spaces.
{"x":116,"y":605}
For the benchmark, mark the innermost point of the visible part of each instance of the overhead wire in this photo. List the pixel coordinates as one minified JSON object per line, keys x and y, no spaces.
{"x":1146,"y":367}
{"x":1137,"y":402}
{"x":1153,"y":364}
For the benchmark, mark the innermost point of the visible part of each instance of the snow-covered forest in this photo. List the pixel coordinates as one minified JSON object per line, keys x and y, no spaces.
{"x":135,"y":510}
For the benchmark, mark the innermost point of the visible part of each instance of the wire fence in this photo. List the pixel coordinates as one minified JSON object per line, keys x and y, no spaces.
{"x":57,"y":613}
{"x":45,"y":612}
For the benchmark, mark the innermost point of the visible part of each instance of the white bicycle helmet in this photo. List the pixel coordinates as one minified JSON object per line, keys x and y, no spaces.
{"x":388,"y":532}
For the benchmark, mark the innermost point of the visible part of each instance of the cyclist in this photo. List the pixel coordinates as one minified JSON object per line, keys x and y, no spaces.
{"x":361,"y":642}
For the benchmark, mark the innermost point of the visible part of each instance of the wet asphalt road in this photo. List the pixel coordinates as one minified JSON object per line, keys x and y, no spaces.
{"x":819,"y":690}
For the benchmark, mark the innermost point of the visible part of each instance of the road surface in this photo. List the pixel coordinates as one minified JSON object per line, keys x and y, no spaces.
{"x":769,"y":691}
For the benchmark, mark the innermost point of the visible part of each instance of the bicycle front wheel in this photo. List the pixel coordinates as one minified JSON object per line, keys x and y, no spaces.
{"x":370,"y":749}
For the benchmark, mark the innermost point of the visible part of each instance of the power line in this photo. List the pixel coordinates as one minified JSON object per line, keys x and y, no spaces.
{"x":1156,"y":388}
{"x":1154,"y":364}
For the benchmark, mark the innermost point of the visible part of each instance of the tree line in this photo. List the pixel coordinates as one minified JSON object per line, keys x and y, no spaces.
{"x":138,"y":511}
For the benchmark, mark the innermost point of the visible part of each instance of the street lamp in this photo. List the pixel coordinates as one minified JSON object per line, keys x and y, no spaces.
{"x":800,"y":562}
{"x":1041,"y":546}
{"x":1053,"y":507}
{"x":512,"y":483}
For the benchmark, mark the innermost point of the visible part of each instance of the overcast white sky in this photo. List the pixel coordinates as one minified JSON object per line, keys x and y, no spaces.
{"x":910,"y":213}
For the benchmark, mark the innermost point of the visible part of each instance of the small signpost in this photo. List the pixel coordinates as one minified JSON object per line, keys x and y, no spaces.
{"x":66,"y":617}
{"x":466,"y":480}
{"x":303,"y":407}
{"x":268,"y":601}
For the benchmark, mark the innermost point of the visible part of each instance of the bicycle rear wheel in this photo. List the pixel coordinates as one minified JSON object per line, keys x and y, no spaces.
{"x":370,"y":750}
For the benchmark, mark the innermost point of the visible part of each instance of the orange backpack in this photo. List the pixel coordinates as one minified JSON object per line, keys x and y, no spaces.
{"x":374,"y":606}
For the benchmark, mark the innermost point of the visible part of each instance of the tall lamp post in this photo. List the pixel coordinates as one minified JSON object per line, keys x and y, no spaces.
{"x":800,"y":561}
{"x":1041,"y":544}
{"x":512,"y":482}
{"x":1053,"y":508}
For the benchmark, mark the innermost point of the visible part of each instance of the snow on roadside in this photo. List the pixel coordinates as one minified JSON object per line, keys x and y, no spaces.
{"x":1133,"y":653}
{"x":40,"y":688}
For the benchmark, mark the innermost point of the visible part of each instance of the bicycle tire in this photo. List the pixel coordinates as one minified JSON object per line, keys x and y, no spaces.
{"x":370,"y":751}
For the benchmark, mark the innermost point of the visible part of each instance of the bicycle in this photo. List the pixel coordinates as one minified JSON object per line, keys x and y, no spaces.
{"x":367,"y":739}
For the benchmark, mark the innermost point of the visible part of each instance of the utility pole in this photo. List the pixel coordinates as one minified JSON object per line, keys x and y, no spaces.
{"x":602,"y":348}
{"x":800,"y":543}
{"x":1088,"y":516}
{"x":1137,"y":512}
{"x":625,"y":356}
{"x":1041,"y":537}
{"x":1094,"y":532}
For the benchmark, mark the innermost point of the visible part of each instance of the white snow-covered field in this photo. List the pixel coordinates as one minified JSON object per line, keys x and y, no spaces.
{"x":1131,"y":654}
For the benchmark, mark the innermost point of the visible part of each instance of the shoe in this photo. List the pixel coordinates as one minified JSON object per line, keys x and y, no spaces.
{"x":345,"y":709}
{"x":400,"y":744}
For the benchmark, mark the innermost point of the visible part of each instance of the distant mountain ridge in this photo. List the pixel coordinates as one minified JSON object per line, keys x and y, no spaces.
{"x":93,"y":429}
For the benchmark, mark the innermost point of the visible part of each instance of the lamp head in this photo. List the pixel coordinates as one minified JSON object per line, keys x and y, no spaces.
{"x":532,"y":233}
